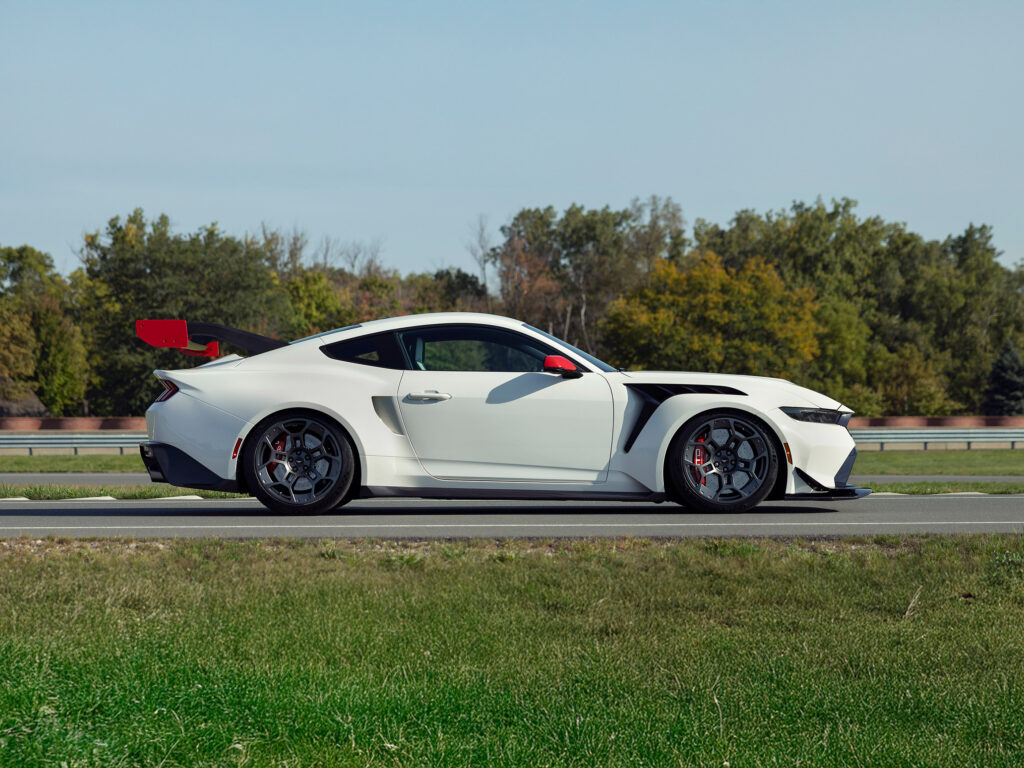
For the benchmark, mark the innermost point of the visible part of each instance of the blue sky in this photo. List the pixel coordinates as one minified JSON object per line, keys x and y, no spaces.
{"x":404,"y":122}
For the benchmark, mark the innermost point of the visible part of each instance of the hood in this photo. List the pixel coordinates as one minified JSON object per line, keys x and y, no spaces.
{"x":782,"y":392}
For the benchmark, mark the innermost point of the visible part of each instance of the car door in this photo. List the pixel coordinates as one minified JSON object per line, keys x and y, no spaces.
{"x":477,"y":405}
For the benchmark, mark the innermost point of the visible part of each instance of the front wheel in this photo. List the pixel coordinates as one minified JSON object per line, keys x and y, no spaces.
{"x":299,"y":464}
{"x":722,"y":462}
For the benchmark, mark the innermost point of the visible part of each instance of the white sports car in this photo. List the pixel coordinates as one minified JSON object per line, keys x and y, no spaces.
{"x":461,"y":405}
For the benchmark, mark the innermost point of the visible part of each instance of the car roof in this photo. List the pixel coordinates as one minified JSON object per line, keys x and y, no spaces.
{"x":410,"y":321}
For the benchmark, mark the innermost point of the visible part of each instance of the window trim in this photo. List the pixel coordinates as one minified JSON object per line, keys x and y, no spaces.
{"x":435,"y":326}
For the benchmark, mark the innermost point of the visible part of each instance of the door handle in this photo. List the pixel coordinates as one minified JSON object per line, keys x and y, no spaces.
{"x":428,"y":396}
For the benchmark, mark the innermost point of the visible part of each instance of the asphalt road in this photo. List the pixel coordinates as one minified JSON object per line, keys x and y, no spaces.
{"x":133,"y":478}
{"x":402,"y":518}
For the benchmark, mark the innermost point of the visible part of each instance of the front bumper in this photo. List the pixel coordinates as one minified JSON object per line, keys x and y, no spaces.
{"x":843,"y":490}
{"x":167,"y":464}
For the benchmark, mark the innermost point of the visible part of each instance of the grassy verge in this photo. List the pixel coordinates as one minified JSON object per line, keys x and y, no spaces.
{"x":919,"y":489}
{"x":940,"y":463}
{"x":68,"y":463}
{"x":885,"y":651}
{"x":154,"y":491}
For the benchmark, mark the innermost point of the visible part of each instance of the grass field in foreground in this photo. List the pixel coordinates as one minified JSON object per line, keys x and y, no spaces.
{"x":884,"y":651}
{"x":868,"y":463}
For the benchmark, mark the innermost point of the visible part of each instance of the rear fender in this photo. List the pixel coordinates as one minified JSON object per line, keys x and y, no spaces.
{"x":315,"y":408}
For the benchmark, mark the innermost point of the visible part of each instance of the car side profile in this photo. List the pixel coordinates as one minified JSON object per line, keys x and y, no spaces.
{"x":466,"y":405}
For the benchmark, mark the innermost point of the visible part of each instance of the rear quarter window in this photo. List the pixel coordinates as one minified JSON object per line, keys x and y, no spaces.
{"x":379,"y":349}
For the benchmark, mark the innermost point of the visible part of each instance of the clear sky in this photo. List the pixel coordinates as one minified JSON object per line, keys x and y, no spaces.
{"x":405,"y":121}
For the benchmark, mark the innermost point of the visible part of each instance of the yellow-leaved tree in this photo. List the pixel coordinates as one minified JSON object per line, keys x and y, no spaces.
{"x":702,"y":316}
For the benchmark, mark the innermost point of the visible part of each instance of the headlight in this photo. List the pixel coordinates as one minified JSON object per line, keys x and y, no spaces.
{"x":819,"y":415}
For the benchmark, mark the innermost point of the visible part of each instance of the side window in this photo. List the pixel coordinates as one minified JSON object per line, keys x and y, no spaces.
{"x":472,"y":348}
{"x":379,"y":349}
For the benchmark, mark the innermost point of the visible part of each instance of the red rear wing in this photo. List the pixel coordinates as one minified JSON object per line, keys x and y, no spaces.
{"x":173,"y":334}
{"x":201,"y":339}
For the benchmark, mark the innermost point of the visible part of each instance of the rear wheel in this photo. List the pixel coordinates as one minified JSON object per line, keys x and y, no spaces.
{"x":722,"y":462}
{"x":299,"y":463}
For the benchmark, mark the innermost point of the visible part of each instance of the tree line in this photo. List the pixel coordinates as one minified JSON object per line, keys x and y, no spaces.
{"x":865,"y":310}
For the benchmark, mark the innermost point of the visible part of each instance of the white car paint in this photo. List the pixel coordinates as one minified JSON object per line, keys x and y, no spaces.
{"x":433,"y":431}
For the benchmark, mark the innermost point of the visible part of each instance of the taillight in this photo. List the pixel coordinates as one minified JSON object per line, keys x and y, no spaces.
{"x":169,"y":389}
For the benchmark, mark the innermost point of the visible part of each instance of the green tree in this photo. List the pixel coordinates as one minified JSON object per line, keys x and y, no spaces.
{"x":562,"y":272}
{"x":62,"y":366}
{"x":17,"y":349}
{"x":316,"y":303}
{"x":60,"y":372}
{"x":137,"y":269}
{"x":1004,"y":395}
{"x":703,"y":316}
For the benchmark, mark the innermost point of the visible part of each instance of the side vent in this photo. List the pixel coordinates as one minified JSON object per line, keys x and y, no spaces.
{"x":653,"y":395}
{"x":385,"y":409}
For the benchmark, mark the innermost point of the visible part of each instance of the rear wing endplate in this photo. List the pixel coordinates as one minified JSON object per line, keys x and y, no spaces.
{"x":201,"y":339}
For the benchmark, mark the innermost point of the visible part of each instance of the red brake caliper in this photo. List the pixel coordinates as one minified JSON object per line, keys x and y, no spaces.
{"x":699,"y":457}
{"x":278,"y":445}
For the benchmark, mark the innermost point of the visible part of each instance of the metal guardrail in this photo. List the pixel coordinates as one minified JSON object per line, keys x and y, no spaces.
{"x":73,"y":440}
{"x":927,"y":435}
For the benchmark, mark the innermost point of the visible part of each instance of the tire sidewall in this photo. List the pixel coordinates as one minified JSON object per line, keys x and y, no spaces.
{"x":679,"y":489}
{"x":338,"y":495}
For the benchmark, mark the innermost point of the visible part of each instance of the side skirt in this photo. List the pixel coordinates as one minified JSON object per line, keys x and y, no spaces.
{"x":387,"y":491}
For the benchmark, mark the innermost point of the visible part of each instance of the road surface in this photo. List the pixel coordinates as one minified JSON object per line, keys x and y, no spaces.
{"x":404,"y":518}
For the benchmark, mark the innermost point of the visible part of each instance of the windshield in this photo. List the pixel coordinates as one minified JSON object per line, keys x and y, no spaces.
{"x":600,"y":365}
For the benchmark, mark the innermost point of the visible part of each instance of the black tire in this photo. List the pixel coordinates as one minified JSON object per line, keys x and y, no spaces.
{"x":299,"y":463}
{"x":722,"y":461}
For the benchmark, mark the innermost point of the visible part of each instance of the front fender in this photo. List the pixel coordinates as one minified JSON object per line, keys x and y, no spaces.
{"x":645,"y":461}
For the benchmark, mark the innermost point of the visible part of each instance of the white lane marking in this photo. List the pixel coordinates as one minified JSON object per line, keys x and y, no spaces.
{"x":14,"y":498}
{"x":387,"y":526}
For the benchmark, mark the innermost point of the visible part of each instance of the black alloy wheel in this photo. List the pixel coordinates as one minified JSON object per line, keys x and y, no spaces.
{"x":722,"y":462}
{"x":299,"y":463}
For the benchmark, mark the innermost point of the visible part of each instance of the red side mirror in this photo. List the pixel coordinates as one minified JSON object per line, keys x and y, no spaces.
{"x":561,"y":365}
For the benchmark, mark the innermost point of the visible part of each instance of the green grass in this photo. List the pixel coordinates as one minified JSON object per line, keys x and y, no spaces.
{"x":925,"y":488}
{"x":154,"y":491}
{"x":940,"y":463}
{"x":884,"y":651}
{"x":99,"y":462}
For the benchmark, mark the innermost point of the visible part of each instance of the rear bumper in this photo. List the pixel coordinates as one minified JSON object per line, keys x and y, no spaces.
{"x":167,"y":464}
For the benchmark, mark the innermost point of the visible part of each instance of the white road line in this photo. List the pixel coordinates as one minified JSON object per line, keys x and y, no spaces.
{"x":403,"y":526}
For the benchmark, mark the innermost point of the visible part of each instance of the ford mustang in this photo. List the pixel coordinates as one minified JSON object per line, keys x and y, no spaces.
{"x":464,"y":405}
